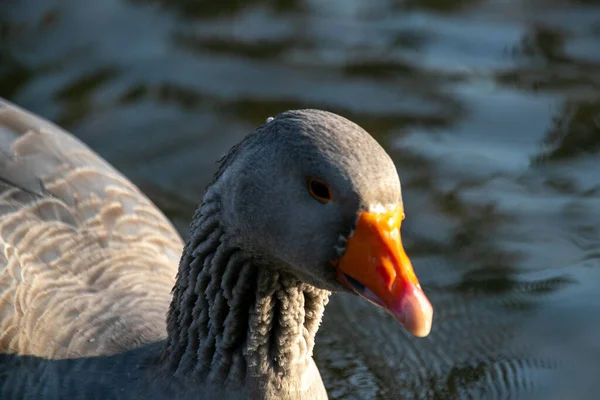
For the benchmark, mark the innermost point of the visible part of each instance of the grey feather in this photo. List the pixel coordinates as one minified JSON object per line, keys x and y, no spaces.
{"x":88,"y":261}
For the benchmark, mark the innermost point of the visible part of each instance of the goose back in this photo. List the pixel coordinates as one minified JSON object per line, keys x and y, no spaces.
{"x":87,"y":262}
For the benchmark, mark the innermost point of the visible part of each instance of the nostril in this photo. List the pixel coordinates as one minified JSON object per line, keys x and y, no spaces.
{"x":386,"y":274}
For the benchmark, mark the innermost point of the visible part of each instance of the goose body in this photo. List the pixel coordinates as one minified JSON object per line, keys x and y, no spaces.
{"x":98,"y":301}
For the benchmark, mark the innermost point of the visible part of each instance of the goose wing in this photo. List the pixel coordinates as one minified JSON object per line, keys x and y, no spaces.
{"x":87,"y":262}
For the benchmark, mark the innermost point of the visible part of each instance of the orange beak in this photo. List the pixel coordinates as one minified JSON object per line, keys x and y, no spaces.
{"x":376,"y":267}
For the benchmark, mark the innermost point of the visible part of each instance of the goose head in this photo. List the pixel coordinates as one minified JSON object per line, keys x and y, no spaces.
{"x":314,"y":194}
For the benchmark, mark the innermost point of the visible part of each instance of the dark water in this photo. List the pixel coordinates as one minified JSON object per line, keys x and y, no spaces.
{"x":490,"y":108}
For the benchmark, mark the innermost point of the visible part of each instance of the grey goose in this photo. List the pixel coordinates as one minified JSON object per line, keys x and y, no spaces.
{"x":97,"y":300}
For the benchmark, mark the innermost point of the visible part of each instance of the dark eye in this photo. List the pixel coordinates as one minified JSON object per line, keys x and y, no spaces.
{"x":319,"y":190}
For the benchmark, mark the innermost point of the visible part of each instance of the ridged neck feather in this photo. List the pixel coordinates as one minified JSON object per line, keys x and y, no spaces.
{"x":231,"y":317}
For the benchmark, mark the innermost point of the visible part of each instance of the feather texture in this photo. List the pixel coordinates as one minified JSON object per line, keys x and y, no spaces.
{"x":87,"y":262}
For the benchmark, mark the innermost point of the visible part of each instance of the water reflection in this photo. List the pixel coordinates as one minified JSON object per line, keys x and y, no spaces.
{"x":490,"y":110}
{"x":546,"y":44}
{"x":575,"y":131}
{"x":207,"y":9}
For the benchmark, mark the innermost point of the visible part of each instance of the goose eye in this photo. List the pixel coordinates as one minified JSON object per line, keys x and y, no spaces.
{"x":319,"y":190}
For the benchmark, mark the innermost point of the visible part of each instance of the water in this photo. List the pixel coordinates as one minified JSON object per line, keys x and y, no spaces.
{"x":491,"y":110}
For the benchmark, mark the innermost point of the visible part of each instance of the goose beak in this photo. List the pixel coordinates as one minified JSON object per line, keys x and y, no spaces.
{"x":376,"y":267}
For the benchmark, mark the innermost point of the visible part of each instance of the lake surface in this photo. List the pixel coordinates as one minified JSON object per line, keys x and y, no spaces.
{"x":491,"y":110}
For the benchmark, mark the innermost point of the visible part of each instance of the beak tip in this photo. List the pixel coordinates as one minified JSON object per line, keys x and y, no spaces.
{"x":414,"y":312}
{"x":422,"y":330}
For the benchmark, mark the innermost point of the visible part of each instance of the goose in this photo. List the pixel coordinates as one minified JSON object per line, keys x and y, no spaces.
{"x":99,"y":301}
